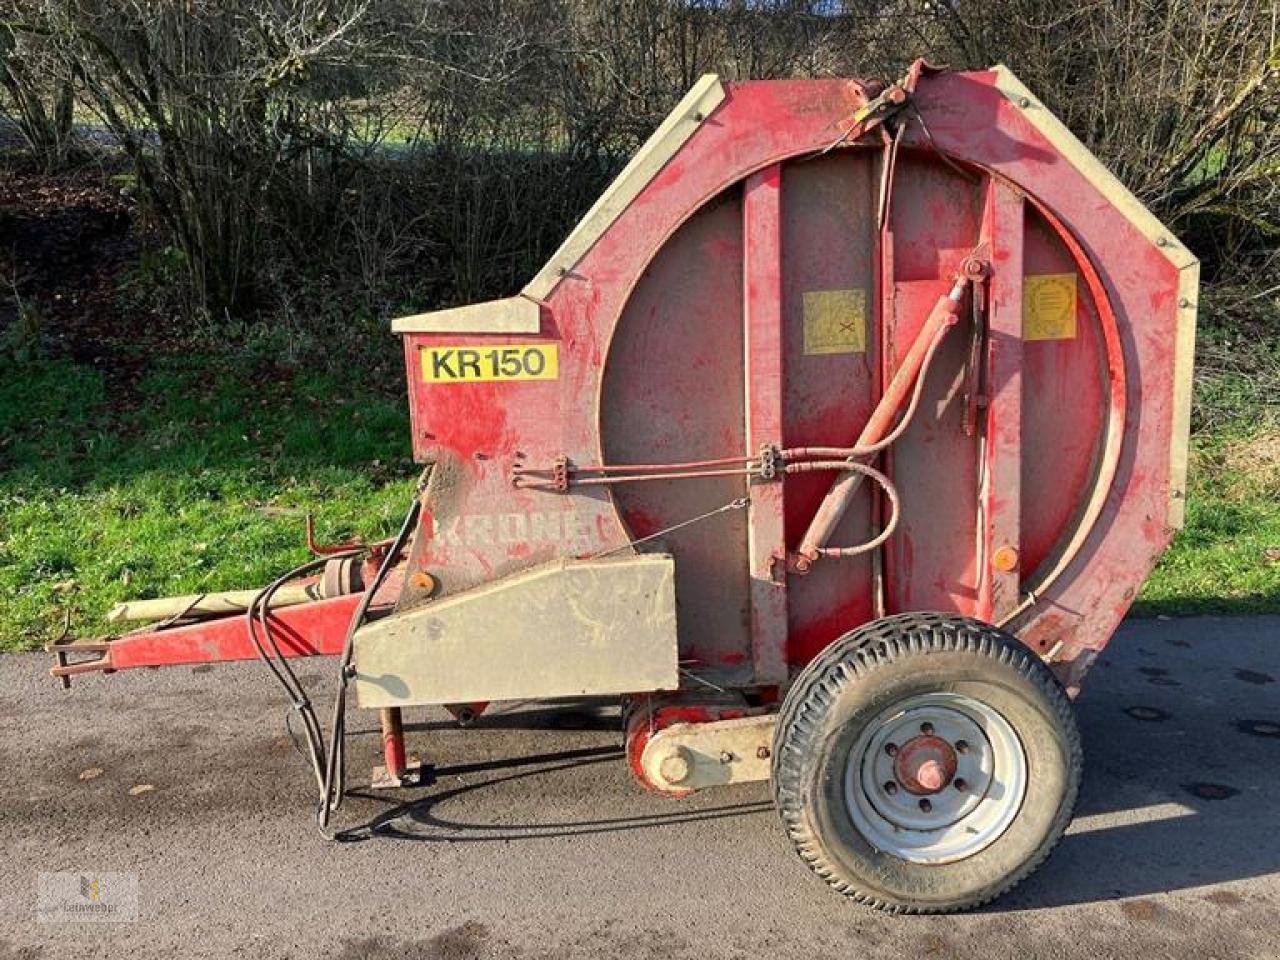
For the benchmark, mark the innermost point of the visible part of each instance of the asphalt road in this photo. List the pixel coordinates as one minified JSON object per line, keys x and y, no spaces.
{"x":532,"y":842}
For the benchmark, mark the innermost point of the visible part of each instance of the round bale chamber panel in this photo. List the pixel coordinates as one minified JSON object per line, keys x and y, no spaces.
{"x":749,"y":287}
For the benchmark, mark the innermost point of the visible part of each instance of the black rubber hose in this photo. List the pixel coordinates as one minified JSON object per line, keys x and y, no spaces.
{"x":335,"y":773}
{"x":255,"y":618}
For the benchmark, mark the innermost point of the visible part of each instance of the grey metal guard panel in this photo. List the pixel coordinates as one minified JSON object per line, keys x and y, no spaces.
{"x":574,"y":627}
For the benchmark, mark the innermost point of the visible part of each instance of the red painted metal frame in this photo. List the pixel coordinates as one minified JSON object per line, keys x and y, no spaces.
{"x":477,"y":432}
{"x":971,"y":119}
{"x":305,"y":630}
{"x":762,"y":260}
{"x":1000,"y":489}
{"x":483,"y":528}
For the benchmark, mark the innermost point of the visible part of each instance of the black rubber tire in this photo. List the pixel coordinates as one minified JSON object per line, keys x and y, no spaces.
{"x":855,"y":680}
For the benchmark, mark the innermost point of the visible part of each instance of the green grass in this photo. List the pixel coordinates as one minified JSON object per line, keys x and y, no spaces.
{"x":201,"y":484}
{"x":1227,"y":558}
{"x":198,"y":476}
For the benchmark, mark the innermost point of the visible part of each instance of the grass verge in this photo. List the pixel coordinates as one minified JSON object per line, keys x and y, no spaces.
{"x":201,"y":481}
{"x":197,"y":476}
{"x":1227,"y":558}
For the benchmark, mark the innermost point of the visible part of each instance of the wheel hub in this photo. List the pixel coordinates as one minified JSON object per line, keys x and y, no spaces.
{"x":935,"y":778}
{"x":925,"y":765}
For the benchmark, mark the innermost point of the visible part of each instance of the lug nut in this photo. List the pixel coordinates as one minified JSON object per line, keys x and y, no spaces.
{"x":926,"y":728}
{"x":890,"y":788}
{"x":961,"y":784}
{"x":925,"y":805}
{"x":891,"y":749}
{"x":962,"y":746}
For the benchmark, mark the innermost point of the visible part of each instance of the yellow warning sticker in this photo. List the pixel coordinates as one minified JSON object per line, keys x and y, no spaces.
{"x":1049,"y":307}
{"x":835,"y":321}
{"x":487,"y":364}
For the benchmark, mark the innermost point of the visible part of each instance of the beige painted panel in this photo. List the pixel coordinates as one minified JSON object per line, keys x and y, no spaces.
{"x":512,"y":315}
{"x":571,"y":628}
{"x":1184,"y":362}
{"x":672,"y":134}
{"x":692,"y":756}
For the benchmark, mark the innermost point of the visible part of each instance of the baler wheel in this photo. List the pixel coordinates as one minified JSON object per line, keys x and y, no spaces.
{"x":925,"y":763}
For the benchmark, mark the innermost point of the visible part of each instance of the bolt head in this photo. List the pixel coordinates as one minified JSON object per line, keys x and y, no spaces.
{"x":726,"y":757}
{"x":925,"y":805}
{"x":890,"y":787}
{"x":674,"y":767}
{"x":762,"y":753}
{"x":1005,"y":559}
{"x":926,"y":728}
{"x":962,"y":746}
{"x":891,"y":749}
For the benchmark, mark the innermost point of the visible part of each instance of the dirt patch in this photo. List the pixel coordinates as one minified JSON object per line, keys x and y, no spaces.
{"x":9,"y":952}
{"x":68,"y":239}
{"x":1259,"y":728}
{"x":71,"y":247}
{"x":1252,"y":467}
{"x":463,"y":942}
{"x":1224,"y":898}
{"x":1210,"y":791}
{"x":1143,"y":911}
{"x":1147,"y":714}
{"x":460,"y":943}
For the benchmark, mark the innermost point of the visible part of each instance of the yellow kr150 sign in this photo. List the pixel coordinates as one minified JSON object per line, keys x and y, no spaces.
{"x":487,"y":364}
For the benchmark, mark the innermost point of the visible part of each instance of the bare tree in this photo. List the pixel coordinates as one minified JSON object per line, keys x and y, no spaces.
{"x":213,"y":102}
{"x":1180,"y":97}
{"x":302,"y":152}
{"x":38,"y":85}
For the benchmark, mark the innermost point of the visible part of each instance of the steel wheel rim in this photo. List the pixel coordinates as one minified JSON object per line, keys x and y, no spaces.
{"x":981,"y":792}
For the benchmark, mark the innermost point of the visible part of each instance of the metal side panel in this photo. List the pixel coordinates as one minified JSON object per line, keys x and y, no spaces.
{"x":571,"y":628}
{"x":512,"y":315}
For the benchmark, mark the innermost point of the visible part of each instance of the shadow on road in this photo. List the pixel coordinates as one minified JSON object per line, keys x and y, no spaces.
{"x":420,"y":820}
{"x":1182,"y":766}
{"x":1183,"y":762}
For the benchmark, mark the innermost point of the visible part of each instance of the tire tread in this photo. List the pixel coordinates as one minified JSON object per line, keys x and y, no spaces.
{"x":849,"y":661}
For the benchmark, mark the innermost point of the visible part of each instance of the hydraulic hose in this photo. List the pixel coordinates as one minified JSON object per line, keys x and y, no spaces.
{"x":333,"y":786}
{"x":255,"y":620}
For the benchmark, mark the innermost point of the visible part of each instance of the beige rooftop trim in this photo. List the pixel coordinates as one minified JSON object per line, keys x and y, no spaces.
{"x":1184,"y":358}
{"x":512,"y":315}
{"x":1119,"y":196}
{"x":672,"y":134}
